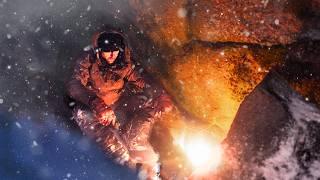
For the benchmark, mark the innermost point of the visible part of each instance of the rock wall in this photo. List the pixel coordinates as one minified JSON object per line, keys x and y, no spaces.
{"x":274,"y":135}
{"x":164,"y":21}
{"x":254,"y":21}
{"x":267,"y":22}
{"x":212,"y":53}
{"x":211,"y":82}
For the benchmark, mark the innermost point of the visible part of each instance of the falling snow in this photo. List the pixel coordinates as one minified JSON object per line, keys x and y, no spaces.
{"x":182,"y":13}
{"x":41,"y":41}
{"x":89,"y":8}
{"x":18,"y":125}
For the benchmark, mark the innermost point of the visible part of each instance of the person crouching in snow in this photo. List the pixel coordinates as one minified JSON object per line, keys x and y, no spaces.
{"x":116,"y":105}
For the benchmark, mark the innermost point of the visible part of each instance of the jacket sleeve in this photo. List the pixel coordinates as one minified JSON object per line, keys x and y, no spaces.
{"x":155,"y":92}
{"x":135,"y":78}
{"x":164,"y":99}
{"x":79,"y":86}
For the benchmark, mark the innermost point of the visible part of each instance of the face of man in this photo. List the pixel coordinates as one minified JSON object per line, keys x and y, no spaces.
{"x":110,"y":56}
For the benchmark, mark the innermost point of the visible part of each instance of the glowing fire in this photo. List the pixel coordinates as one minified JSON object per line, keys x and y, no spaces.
{"x":204,"y":154}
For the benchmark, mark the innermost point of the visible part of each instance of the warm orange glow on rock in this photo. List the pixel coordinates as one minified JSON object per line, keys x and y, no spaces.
{"x":309,"y":88}
{"x":164,"y":21}
{"x":245,"y":21}
{"x":211,"y":83}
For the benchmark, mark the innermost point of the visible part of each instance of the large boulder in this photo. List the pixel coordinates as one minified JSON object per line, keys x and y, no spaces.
{"x":275,"y":135}
{"x":211,"y":82}
{"x":165,"y":22}
{"x":50,"y":150}
{"x":255,"y":21}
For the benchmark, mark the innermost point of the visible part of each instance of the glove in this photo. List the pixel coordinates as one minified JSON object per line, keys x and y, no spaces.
{"x":104,"y":114}
{"x":163,"y":104}
{"x":106,"y":117}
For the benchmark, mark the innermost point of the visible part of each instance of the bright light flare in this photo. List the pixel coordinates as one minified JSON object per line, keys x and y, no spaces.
{"x":204,"y":155}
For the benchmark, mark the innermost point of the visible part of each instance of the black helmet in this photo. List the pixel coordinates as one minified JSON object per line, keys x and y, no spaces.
{"x":110,"y":41}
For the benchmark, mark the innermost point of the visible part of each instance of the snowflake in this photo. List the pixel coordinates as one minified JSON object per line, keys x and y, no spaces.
{"x":34,"y":143}
{"x":37,"y":29}
{"x":89,"y":8}
{"x":66,"y":31}
{"x":18,"y":125}
{"x":182,"y":13}
{"x":68,"y":175}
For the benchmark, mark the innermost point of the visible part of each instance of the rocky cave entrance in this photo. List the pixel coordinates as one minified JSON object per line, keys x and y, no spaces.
{"x":247,"y":72}
{"x":214,"y":56}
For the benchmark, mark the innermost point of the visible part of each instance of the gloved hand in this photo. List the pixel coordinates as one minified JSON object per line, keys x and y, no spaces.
{"x":106,"y":117}
{"x":104,"y":114}
{"x":163,"y":104}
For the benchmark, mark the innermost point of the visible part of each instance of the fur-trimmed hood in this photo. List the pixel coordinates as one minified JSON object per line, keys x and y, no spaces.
{"x":127,"y":49}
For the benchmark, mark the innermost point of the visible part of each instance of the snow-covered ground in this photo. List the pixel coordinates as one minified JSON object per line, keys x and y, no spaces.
{"x":49,"y":150}
{"x":298,"y":155}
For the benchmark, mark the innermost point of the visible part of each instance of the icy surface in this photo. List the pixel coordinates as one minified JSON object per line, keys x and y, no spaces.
{"x":49,"y":150}
{"x":285,"y":164}
{"x":276,"y":134}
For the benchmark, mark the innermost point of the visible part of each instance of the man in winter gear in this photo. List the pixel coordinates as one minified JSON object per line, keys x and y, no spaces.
{"x":117,"y":105}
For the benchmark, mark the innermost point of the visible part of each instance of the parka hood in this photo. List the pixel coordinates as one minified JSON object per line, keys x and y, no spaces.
{"x":126,"y":51}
